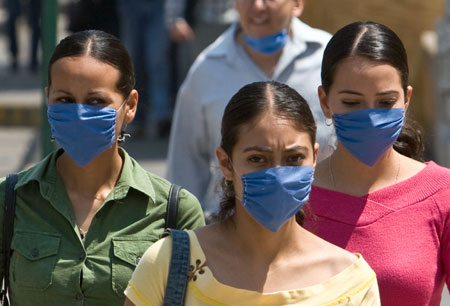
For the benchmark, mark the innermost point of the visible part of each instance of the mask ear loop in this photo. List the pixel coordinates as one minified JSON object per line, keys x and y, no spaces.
{"x":122,"y":136}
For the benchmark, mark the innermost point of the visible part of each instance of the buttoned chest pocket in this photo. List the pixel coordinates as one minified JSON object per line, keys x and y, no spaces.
{"x":33,"y":259}
{"x":126,"y":254}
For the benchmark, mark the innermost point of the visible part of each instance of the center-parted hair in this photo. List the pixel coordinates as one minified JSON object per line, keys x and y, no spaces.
{"x":378,"y":43}
{"x":248,"y":105}
{"x":102,"y":46}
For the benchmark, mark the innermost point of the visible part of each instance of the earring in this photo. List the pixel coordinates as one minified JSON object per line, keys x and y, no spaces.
{"x":328,"y":122}
{"x":122,"y":136}
{"x":228,"y":183}
{"x":52,"y":138}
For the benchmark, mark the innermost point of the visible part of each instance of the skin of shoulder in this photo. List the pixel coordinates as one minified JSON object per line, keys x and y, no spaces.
{"x":317,"y":255}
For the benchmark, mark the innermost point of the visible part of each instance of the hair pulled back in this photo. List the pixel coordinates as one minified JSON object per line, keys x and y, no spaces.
{"x":377,"y":43}
{"x":102,"y":46}
{"x":246,"y":107}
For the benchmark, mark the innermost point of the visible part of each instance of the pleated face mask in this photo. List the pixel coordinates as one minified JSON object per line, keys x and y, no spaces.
{"x":268,"y":44}
{"x":83,"y":131}
{"x":273,"y":196}
{"x":368,"y":133}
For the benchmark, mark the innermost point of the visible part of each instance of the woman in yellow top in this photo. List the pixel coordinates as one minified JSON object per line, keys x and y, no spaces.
{"x":257,"y":254}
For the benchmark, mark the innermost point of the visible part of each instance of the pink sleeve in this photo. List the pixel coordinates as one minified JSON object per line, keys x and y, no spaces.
{"x":443,"y":203}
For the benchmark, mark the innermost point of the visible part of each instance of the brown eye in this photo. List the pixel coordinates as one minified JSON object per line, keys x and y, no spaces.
{"x":256,"y":159}
{"x":295,"y":159}
{"x":96,"y":102}
{"x":387,"y":103}
{"x":350,"y":103}
{"x":65,"y":100}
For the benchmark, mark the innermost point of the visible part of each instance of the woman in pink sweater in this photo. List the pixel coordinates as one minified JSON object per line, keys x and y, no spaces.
{"x":372,"y":195}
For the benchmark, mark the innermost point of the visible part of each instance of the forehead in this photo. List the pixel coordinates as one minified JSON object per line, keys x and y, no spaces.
{"x":355,"y":70}
{"x":271,"y":130}
{"x":83,"y":69}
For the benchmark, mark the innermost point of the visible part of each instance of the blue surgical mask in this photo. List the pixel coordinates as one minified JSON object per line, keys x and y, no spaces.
{"x":83,"y":131}
{"x":368,"y":133}
{"x":275,"y":195}
{"x":268,"y":44}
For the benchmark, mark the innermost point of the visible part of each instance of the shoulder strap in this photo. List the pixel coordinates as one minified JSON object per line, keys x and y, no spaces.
{"x":8,"y":229}
{"x":177,"y":279}
{"x":172,"y":206}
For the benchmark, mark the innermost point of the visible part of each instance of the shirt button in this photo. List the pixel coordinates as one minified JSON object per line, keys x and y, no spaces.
{"x":79,"y":296}
{"x":34,"y":252}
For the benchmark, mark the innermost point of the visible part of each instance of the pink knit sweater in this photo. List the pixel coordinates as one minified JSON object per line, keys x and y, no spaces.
{"x":403,"y":232}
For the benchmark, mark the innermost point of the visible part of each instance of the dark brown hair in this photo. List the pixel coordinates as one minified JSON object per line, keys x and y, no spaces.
{"x":377,"y":43}
{"x":247,"y":106}
{"x":102,"y":46}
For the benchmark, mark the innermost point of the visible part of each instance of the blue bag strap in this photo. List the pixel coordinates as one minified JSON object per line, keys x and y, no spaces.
{"x":177,"y":279}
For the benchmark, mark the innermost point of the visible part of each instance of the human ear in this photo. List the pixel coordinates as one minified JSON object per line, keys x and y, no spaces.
{"x":323,"y":98}
{"x":408,"y":95}
{"x":132,"y":102}
{"x":298,"y":8}
{"x":224,"y":163}
{"x":315,"y":152}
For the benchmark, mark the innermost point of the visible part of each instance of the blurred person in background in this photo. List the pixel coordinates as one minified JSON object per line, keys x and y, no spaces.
{"x":32,"y":10}
{"x":269,"y":42}
{"x":143,"y":31}
{"x":193,"y":25}
{"x":93,"y":15}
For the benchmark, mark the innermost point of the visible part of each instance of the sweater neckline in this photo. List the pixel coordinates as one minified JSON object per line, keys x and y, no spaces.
{"x":418,"y":187}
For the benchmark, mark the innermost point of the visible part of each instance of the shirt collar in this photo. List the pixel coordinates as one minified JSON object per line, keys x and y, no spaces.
{"x":302,"y":35}
{"x":131,"y":176}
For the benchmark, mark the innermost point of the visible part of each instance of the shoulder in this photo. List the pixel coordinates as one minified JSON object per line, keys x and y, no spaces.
{"x":432,"y":177}
{"x":212,"y":57}
{"x":351,"y":277}
{"x":190,"y":213}
{"x":436,"y":169}
{"x":310,"y":34}
{"x":148,"y":282}
{"x":334,"y":258}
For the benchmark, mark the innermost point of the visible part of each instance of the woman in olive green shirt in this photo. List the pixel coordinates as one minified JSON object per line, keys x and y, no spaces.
{"x":87,"y":212}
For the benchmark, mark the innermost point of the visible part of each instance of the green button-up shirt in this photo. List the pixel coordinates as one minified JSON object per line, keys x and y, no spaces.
{"x":50,"y":263}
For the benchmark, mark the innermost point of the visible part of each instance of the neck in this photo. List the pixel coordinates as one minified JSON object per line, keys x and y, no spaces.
{"x":351,"y":176}
{"x":257,"y":242}
{"x":266,"y":62}
{"x":89,"y":181}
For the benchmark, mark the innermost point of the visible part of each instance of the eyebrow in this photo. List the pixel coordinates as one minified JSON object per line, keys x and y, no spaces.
{"x":62,"y":91}
{"x":95,"y":92}
{"x":268,"y":150}
{"x":388,"y":92}
{"x":384,"y":93}
{"x":346,"y":91}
